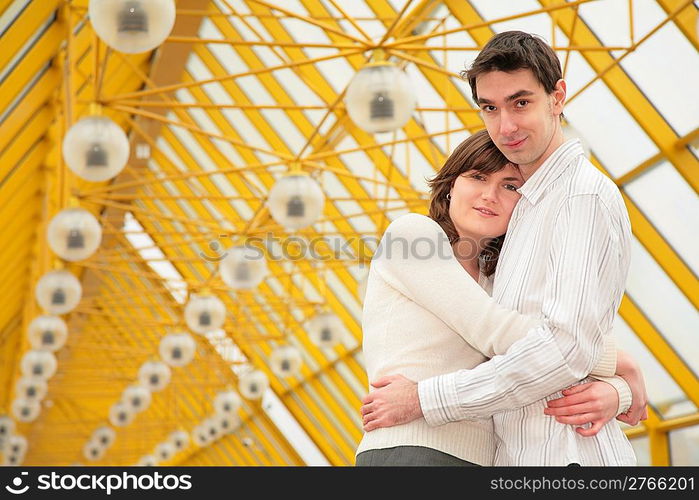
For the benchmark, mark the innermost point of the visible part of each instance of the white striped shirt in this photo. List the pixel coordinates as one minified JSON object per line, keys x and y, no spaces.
{"x":565,"y":259}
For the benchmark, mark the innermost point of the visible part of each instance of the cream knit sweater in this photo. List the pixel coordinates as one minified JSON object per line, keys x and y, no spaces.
{"x":411,"y":330}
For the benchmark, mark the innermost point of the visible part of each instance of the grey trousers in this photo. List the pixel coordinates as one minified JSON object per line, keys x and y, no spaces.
{"x":402,"y":456}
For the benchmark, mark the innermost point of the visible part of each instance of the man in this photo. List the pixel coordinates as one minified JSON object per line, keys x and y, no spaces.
{"x":565,"y":258}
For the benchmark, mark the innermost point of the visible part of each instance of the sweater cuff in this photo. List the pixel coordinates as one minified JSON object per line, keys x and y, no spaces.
{"x":623,"y":391}
{"x":438,"y":399}
{"x":606,"y":366}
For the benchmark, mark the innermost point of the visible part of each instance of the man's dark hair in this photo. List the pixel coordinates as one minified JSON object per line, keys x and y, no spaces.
{"x":513,"y":50}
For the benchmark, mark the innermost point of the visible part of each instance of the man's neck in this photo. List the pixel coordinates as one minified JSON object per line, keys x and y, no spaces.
{"x":556,"y":140}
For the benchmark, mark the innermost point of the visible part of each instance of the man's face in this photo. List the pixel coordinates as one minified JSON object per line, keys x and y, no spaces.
{"x":521,"y":118}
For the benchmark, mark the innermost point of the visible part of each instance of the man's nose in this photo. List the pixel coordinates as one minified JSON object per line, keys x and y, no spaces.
{"x":508,"y":124}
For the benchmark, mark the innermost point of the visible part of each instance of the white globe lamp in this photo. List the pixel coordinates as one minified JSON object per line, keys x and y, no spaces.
{"x":154,"y":375}
{"x":132,"y":26}
{"x":285,"y":361}
{"x":296,"y":201}
{"x":177,"y":349}
{"x":252,"y":385}
{"x":204,"y":313}
{"x":47,"y":332}
{"x":58,"y":292}
{"x":96,"y":149}
{"x":243,"y":268}
{"x":380,"y":98}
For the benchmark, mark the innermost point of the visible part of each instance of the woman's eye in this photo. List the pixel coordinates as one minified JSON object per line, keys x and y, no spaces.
{"x":478,"y":177}
{"x":511,"y":187}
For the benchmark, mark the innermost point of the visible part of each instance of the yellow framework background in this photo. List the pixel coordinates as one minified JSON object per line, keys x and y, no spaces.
{"x":214,"y":147}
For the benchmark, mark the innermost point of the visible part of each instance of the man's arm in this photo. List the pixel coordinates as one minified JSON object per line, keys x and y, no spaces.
{"x":580,"y":300}
{"x":416,"y":259}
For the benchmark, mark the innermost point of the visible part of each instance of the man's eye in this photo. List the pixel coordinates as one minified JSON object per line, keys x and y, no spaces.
{"x":488,"y":108}
{"x":511,"y":187}
{"x":522,"y":103}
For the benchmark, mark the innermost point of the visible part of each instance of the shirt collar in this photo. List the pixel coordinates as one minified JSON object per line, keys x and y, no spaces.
{"x":551,"y":170}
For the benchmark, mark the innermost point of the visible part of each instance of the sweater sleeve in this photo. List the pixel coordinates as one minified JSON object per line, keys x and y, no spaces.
{"x":623,"y":391}
{"x":416,"y":258}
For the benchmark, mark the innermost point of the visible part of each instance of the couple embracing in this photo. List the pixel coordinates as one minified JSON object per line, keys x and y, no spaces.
{"x":499,"y":351}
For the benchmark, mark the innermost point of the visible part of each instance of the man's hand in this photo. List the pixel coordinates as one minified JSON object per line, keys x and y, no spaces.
{"x":594,"y":402}
{"x":394,"y":401}
{"x":629,"y":370}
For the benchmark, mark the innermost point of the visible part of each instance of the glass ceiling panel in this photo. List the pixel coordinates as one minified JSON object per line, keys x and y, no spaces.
{"x":672,"y":206}
{"x":662,"y":390}
{"x":684,"y":446}
{"x":609,"y":20}
{"x":665,"y":80}
{"x":664,"y":305}
{"x":336,"y":72}
{"x":496,"y":9}
{"x":613,"y":135}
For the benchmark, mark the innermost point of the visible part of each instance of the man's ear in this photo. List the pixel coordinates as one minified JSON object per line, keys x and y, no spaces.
{"x":559,"y":97}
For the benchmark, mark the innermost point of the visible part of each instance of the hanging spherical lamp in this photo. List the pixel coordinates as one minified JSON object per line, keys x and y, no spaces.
{"x":296,"y":200}
{"x":200,"y":436}
{"x":31,"y":388}
{"x":227,"y":423}
{"x":16,"y":445}
{"x":177,"y":349}
{"x":26,"y":410}
{"x":325,"y":330}
{"x":96,"y":149}
{"x":132,"y":26}
{"x":243,"y":267}
{"x":104,"y":436}
{"x":179,"y":439}
{"x":58,"y":292}
{"x":212,"y":428}
{"x":253,"y":384}
{"x":155,"y":375}
{"x":93,"y":451}
{"x":74,"y":234}
{"x":164,"y":451}
{"x":120,"y":415}
{"x":227,"y":403}
{"x":380,"y":97}
{"x":40,"y":364}
{"x":285,"y":361}
{"x":47,"y":332}
{"x":10,"y":459}
{"x":204,"y":313}
{"x":136,"y":397}
{"x":148,"y":461}
{"x":7,"y":428}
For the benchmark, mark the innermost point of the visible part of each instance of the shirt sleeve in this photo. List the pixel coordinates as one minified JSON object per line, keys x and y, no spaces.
{"x":416,"y":258}
{"x":581,"y":296}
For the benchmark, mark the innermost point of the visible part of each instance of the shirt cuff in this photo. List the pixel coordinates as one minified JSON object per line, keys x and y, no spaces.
{"x":606,"y":366}
{"x":438,"y":399}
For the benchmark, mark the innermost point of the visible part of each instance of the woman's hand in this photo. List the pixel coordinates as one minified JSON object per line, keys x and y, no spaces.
{"x":595,"y":402}
{"x":629,"y":370}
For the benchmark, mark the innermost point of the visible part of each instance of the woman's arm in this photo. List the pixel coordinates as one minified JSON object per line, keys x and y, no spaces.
{"x":416,"y":258}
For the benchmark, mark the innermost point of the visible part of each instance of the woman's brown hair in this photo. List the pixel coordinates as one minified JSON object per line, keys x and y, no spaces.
{"x":477,"y":153}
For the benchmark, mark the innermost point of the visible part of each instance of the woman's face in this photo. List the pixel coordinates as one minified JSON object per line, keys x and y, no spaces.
{"x":481,"y":204}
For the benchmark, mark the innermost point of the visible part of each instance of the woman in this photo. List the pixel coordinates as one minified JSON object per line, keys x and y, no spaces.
{"x":423,"y":315}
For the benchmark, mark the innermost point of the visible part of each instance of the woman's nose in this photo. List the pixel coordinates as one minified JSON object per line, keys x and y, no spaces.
{"x":489,"y":191}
